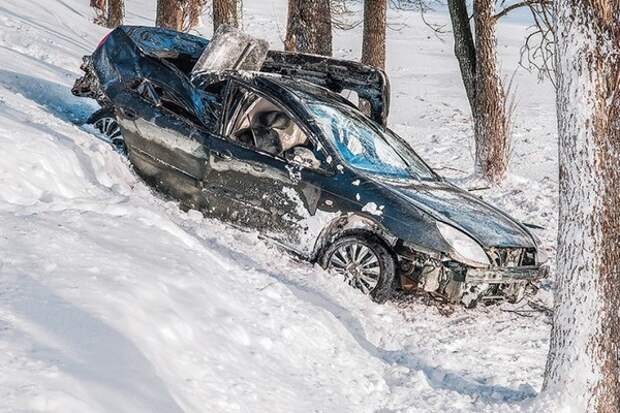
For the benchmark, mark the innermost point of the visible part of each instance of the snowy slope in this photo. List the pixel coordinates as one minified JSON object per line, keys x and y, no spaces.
{"x":113,"y":300}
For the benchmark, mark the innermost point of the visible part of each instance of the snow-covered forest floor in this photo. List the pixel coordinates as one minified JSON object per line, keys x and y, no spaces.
{"x":113,"y":300}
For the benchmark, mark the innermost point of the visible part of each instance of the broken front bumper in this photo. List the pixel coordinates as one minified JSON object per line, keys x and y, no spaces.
{"x":506,"y":275}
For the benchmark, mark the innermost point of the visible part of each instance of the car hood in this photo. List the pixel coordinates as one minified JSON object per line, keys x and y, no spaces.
{"x":486,"y":224}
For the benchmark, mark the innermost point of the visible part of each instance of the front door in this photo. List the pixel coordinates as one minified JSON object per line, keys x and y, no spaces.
{"x":250,"y":182}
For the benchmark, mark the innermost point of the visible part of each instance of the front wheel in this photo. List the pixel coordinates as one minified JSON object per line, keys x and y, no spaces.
{"x":364,"y":263}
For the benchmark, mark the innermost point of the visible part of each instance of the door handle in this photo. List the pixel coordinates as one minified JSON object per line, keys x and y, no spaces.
{"x":224,"y":154}
{"x":258,"y":168}
{"x":129,"y":114}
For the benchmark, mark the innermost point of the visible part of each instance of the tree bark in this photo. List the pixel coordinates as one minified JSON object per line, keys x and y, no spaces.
{"x":115,"y":13}
{"x":98,"y":4}
{"x":100,"y":10}
{"x":464,"y":48}
{"x":225,"y":12}
{"x":309,"y":27}
{"x":373,"y":45}
{"x":490,"y":122}
{"x":170,"y":14}
{"x":582,"y":366}
{"x":193,"y":11}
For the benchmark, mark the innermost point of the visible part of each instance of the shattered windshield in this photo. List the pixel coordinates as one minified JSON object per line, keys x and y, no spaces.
{"x":365,"y":146}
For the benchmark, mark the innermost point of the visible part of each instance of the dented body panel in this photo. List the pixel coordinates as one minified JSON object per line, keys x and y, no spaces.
{"x":188,"y":134}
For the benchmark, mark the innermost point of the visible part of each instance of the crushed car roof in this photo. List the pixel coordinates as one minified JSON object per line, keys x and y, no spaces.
{"x":334,"y":74}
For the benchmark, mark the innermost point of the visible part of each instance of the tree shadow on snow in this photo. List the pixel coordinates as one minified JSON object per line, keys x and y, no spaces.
{"x":116,"y":373}
{"x":54,"y":97}
{"x":437,"y":377}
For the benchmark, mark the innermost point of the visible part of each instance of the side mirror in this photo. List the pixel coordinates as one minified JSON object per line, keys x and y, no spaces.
{"x":303,"y":156}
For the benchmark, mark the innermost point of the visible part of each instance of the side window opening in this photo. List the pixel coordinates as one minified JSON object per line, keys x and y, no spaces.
{"x":212,"y":97}
{"x":183,"y":62}
{"x":210,"y":102}
{"x":260,"y":124}
{"x":171,"y":103}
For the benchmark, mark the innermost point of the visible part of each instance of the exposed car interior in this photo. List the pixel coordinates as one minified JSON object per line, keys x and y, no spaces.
{"x":261,"y":124}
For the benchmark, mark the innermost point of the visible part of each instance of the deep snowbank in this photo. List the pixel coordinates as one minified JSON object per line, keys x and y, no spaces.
{"x":112,"y":300}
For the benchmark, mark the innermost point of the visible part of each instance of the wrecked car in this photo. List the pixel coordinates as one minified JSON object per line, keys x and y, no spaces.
{"x":269,"y":143}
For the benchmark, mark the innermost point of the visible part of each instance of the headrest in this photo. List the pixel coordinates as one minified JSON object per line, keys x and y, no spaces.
{"x":271,"y":120}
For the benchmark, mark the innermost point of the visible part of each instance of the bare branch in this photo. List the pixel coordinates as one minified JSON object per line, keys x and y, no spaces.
{"x":537,"y":52}
{"x":524,"y":3}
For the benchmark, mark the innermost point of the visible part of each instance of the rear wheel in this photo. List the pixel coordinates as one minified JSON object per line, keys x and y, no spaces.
{"x":105,"y":122}
{"x":364,"y":263}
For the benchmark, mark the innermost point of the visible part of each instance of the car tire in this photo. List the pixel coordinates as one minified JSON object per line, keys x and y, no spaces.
{"x":104,"y":120}
{"x":354,"y":257}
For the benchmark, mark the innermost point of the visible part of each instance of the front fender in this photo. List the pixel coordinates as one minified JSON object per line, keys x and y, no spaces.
{"x":347,"y":224}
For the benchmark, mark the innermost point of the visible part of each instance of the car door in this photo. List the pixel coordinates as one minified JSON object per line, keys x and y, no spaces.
{"x":166,"y":142}
{"x":255,"y":188}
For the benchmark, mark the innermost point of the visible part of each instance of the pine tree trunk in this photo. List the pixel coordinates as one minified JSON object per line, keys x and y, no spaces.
{"x":100,"y":10}
{"x":116,"y":13}
{"x":464,"y":48}
{"x":225,"y":12}
{"x":192,"y":12}
{"x":309,"y":27}
{"x":582,"y":367}
{"x":170,"y":14}
{"x":97,"y":4}
{"x":490,"y":122}
{"x":373,"y":47}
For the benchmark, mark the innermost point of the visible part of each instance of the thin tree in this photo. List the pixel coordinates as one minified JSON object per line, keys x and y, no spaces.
{"x":373,"y":45}
{"x":225,"y":12}
{"x":100,"y":11}
{"x":192,"y":13}
{"x":309,"y":27}
{"x":477,"y":56}
{"x":170,"y":14}
{"x":115,"y":13}
{"x":464,"y":49}
{"x":110,"y":13}
{"x":582,"y":367}
{"x":490,"y":122}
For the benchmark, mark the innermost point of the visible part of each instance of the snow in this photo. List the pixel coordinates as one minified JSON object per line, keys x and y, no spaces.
{"x":373,"y":209}
{"x":114,"y":300}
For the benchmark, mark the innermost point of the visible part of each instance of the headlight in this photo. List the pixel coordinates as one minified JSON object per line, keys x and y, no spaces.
{"x":464,"y":248}
{"x":541,"y":254}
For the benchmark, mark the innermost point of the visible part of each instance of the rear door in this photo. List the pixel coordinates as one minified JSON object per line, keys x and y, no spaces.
{"x":166,"y":145}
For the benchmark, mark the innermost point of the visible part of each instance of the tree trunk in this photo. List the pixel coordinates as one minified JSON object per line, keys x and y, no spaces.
{"x":582,"y":367}
{"x":98,"y":4}
{"x":116,"y":13}
{"x":309,"y":27}
{"x":170,"y":14}
{"x":373,"y":47}
{"x":225,"y":12}
{"x":464,"y":49}
{"x":100,"y":10}
{"x":490,"y":122}
{"x":193,"y":12}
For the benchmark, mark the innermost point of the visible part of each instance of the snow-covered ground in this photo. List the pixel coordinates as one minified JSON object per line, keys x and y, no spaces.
{"x":113,"y":300}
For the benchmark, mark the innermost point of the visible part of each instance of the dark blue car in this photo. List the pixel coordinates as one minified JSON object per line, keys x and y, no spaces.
{"x":281,"y":151}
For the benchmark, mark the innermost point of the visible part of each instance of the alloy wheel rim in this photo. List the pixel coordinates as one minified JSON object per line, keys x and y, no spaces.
{"x":111,"y":131}
{"x":108,"y":128}
{"x":358,"y":264}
